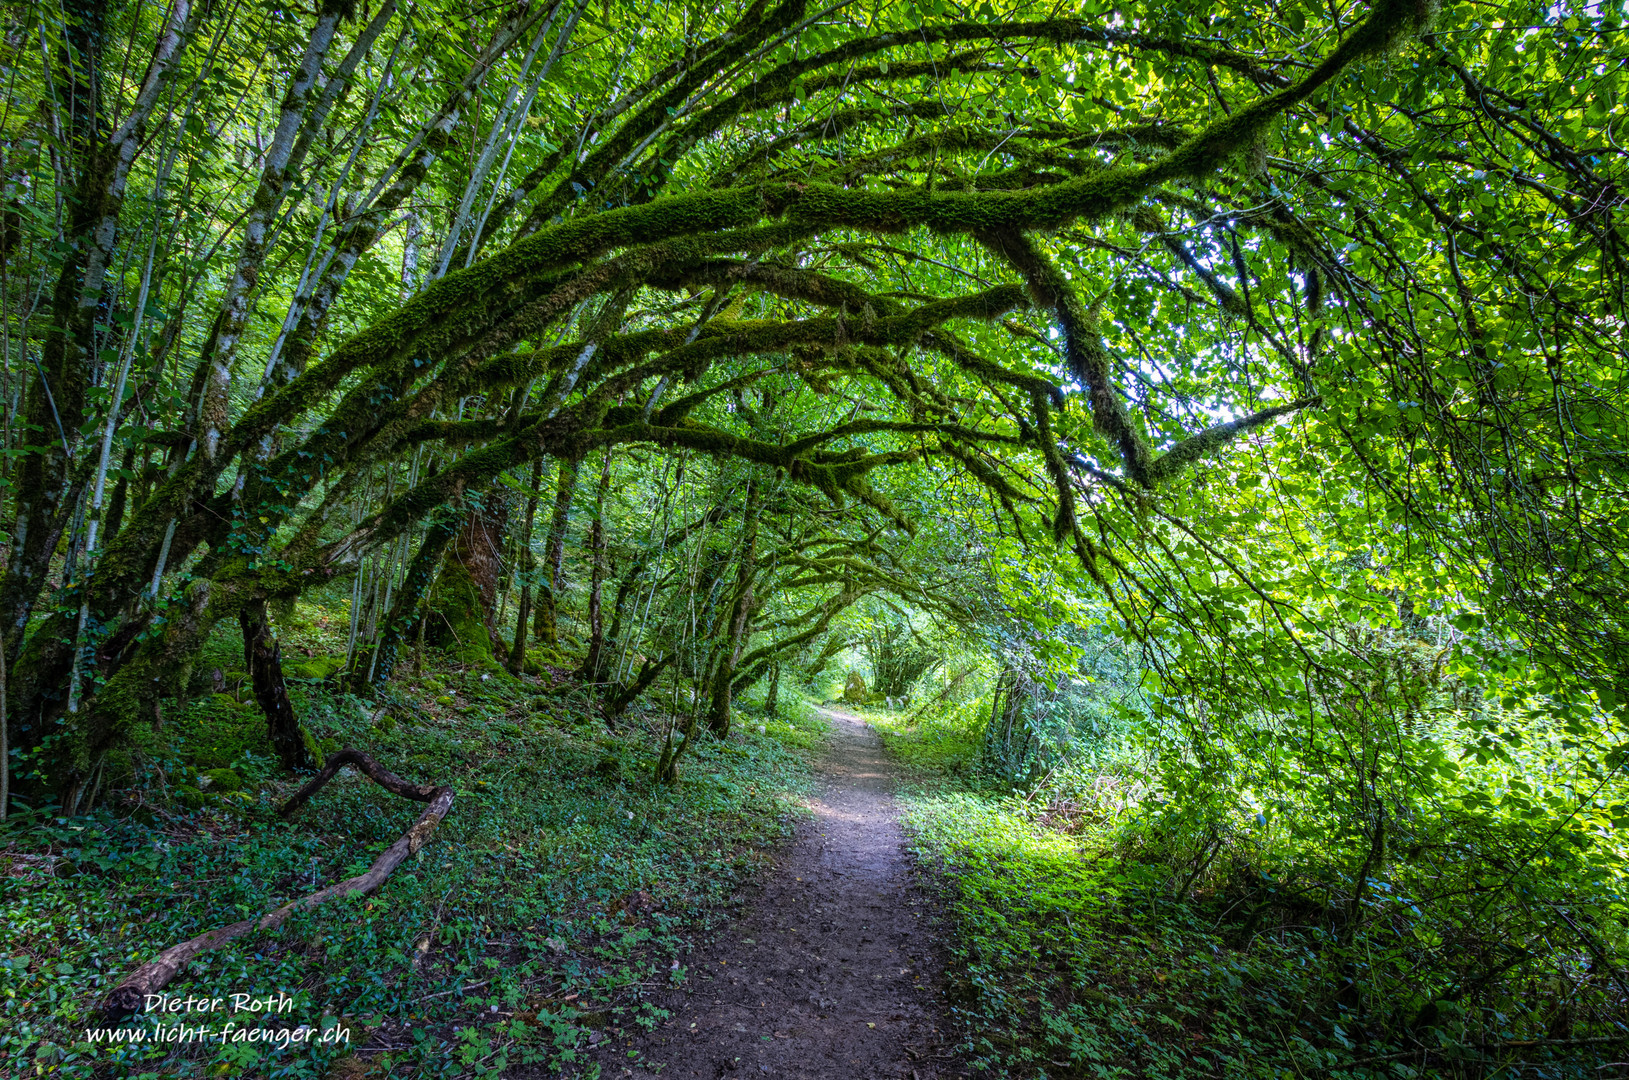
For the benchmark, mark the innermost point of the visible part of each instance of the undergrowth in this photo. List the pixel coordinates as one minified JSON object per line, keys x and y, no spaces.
{"x":1101,"y":929}
{"x":560,"y":890}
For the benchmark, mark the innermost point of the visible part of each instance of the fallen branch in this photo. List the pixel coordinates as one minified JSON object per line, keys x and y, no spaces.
{"x":126,"y":998}
{"x":369,"y":768}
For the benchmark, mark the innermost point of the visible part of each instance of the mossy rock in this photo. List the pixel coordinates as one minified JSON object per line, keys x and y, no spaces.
{"x":511,"y":730}
{"x":385,"y":724}
{"x":459,"y":625}
{"x":609,"y":767}
{"x":544,"y":656}
{"x":328,"y":745}
{"x":318,"y":667}
{"x":223,"y":780}
{"x":854,"y":690}
{"x":226,"y":701}
{"x":189,"y":797}
{"x":444,"y":699}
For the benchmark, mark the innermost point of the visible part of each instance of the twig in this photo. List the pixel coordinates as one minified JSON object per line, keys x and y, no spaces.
{"x":454,"y":990}
{"x":422,"y":947}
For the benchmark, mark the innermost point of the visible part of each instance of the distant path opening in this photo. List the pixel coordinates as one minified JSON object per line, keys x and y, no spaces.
{"x":830,"y":971}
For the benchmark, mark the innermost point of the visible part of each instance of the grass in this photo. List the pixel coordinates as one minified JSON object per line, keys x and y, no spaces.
{"x":561,"y":889}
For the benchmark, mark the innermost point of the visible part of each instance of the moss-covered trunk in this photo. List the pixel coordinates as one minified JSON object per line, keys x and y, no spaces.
{"x":772,"y":700}
{"x":408,"y":615}
{"x":479,"y":548}
{"x":594,"y":663}
{"x":466,"y":595}
{"x":746,"y":570}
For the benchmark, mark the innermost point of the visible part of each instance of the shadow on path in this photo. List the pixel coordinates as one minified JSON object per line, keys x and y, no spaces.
{"x":831,"y":971}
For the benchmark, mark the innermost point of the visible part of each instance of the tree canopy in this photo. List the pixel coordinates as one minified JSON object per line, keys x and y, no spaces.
{"x":1160,"y":287}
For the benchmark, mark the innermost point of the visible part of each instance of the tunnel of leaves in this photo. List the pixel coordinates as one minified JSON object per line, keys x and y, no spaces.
{"x":1240,"y":383}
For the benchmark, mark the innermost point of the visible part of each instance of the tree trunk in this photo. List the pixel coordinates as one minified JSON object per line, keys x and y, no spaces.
{"x":772,"y":700}
{"x":45,"y":491}
{"x":466,"y":594}
{"x":545,"y":624}
{"x":517,"y":651}
{"x":479,"y":548}
{"x":409,"y":612}
{"x":263,"y":655}
{"x":718,"y":713}
{"x":667,"y":764}
{"x":594,"y":663}
{"x":620,"y":698}
{"x":121,"y":494}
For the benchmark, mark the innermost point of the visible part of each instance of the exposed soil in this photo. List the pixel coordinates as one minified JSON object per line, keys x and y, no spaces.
{"x":831,"y":971}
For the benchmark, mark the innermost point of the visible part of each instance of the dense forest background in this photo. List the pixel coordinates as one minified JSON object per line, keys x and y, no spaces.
{"x":1195,"y":431}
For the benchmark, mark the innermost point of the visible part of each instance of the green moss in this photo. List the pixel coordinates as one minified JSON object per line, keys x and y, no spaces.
{"x":460,"y":623}
{"x":190,"y":797}
{"x":210,"y":736}
{"x":318,"y":667}
{"x":1208,"y":442}
{"x":542,"y":655}
{"x":318,"y":758}
{"x":854,"y":690}
{"x":223,"y":780}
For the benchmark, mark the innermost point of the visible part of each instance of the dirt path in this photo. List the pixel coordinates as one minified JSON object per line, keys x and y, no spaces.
{"x":830,"y":972}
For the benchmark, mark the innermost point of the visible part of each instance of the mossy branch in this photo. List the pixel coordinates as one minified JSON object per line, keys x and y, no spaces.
{"x":1171,"y":463}
{"x":1083,"y":345}
{"x":971,"y":362}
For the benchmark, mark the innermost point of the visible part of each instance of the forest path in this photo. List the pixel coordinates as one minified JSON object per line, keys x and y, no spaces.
{"x":831,"y":970}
